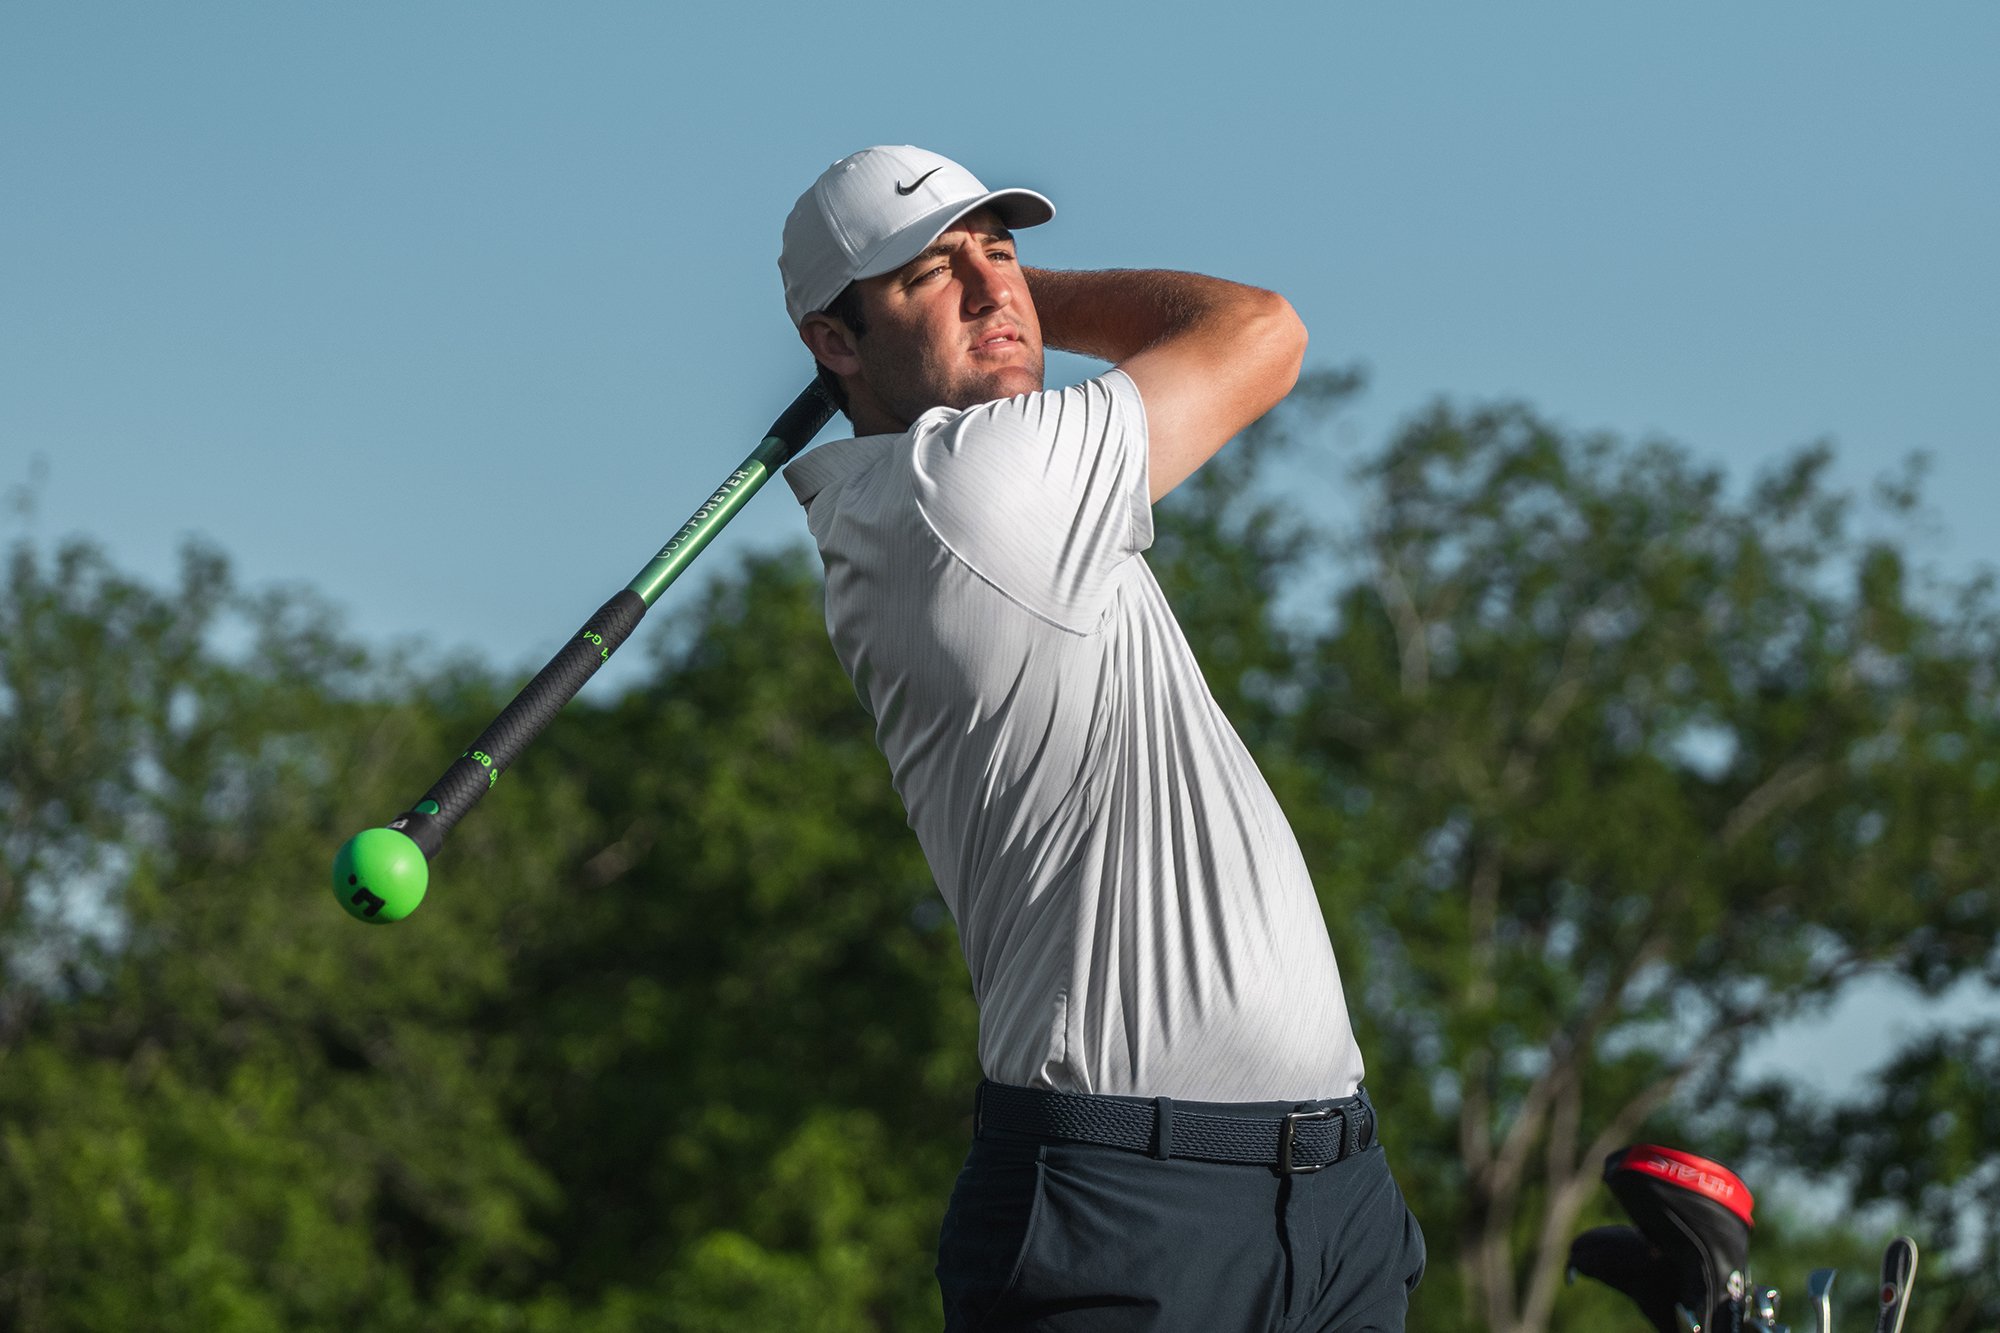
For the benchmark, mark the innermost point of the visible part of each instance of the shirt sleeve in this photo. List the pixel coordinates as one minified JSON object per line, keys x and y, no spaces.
{"x":1043,"y":495}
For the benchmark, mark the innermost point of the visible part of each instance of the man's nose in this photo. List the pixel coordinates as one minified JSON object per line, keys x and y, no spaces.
{"x":985,"y":286}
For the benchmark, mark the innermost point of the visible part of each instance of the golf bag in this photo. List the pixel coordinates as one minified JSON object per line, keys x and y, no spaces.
{"x":1690,"y":1247}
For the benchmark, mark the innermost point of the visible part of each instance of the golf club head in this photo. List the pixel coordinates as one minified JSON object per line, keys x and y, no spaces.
{"x":1627,"y":1262}
{"x":1899,"y":1269}
{"x":1819,"y":1294}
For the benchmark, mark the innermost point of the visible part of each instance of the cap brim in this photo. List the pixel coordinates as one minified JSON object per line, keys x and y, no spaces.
{"x":1016,"y":208}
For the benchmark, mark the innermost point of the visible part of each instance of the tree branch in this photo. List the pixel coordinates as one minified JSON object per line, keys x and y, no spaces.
{"x":1412,"y":649}
{"x":1795,"y":782}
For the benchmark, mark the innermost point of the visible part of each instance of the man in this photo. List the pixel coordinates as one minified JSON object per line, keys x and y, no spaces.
{"x":1171,"y":1135}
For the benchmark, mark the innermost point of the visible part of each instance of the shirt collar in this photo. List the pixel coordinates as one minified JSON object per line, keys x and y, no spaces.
{"x":837,"y":460}
{"x":841,"y":459}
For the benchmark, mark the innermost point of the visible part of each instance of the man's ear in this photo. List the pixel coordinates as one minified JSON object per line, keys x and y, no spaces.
{"x":831,"y":344}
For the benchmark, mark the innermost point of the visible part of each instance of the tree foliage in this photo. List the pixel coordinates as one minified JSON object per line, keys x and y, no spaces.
{"x":1603,"y":767}
{"x":1630,"y":772}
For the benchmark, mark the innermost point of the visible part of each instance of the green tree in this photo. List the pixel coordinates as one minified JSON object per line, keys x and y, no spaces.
{"x":218,"y":1108}
{"x":1618,"y":771}
{"x":680,"y":1040}
{"x":1923,"y":1136}
{"x":748,"y":1041}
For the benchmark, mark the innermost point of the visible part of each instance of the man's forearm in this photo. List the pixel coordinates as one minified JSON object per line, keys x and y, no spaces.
{"x":1113,"y":314}
{"x":1208,"y":357}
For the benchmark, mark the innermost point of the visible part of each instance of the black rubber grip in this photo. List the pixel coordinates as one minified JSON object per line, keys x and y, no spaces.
{"x":797,"y":424}
{"x":473,"y":773}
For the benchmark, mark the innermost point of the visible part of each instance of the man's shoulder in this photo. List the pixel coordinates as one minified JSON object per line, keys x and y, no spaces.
{"x":1100,"y":405}
{"x":1113,"y":388}
{"x":1051,"y":422}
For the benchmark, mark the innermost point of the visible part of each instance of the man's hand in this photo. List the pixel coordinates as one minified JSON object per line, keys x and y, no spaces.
{"x":1209,"y":356}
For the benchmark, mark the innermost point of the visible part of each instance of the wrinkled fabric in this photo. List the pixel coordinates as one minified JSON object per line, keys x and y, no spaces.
{"x":1133,"y":906}
{"x":1075,"y":1238}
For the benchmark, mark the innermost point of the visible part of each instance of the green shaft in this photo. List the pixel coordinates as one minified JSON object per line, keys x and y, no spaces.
{"x":717,"y":510}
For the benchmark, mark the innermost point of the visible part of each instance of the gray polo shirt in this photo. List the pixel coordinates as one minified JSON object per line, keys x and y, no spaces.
{"x":1133,"y":906}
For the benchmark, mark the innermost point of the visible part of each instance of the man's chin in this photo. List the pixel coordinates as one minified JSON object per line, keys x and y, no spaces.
{"x":1004,"y":382}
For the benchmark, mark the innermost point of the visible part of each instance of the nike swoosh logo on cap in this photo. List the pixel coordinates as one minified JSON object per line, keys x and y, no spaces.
{"x":911,"y":188}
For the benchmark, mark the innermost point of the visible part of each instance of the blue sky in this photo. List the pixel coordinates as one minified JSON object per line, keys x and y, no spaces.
{"x":454,"y":311}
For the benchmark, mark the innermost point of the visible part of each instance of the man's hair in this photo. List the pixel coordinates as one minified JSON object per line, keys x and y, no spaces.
{"x":846,"y":308}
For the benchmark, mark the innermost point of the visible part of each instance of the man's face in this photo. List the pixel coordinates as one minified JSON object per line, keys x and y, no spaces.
{"x":954,"y":327}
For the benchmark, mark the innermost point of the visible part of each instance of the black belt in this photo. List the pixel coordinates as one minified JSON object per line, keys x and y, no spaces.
{"x":1309,"y":1139}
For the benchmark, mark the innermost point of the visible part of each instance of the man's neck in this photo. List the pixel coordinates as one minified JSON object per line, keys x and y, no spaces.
{"x":874,"y":421}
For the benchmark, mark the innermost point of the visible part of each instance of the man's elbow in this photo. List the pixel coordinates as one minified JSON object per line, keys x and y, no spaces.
{"x":1280,"y":338}
{"x":1296,"y":338}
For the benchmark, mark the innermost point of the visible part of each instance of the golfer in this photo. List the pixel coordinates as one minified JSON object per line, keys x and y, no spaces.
{"x":1171,"y":1134}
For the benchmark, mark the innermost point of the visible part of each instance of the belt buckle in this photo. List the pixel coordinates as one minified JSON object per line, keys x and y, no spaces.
{"x":1288,"y":1129}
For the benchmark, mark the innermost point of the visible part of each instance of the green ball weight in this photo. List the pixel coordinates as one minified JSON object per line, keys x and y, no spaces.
{"x":380,"y":876}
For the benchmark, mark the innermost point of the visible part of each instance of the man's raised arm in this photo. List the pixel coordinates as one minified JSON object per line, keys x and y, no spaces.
{"x":1209,"y":356}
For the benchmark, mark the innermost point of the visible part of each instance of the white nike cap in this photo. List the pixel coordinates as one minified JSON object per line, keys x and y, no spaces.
{"x":875,"y":211}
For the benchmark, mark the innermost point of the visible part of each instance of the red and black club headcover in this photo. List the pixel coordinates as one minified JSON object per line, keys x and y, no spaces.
{"x":1697,"y":1214}
{"x":1626,"y":1261}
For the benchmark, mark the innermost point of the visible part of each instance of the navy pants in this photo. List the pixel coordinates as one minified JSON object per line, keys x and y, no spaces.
{"x":1077,"y":1238}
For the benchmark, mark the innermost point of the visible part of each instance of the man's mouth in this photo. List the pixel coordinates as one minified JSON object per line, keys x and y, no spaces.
{"x":995,"y":340}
